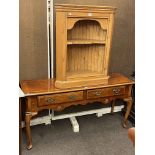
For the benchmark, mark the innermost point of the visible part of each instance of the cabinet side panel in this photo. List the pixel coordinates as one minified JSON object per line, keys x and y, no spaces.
{"x":108,"y":43}
{"x":61,"y":45}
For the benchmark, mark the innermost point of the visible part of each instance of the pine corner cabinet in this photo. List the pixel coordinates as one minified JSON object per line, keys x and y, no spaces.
{"x":83,"y":41}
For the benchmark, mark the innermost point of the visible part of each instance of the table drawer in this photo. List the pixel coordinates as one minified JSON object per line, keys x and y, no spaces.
{"x":60,"y":98}
{"x":96,"y":93}
{"x":104,"y":92}
{"x":116,"y":91}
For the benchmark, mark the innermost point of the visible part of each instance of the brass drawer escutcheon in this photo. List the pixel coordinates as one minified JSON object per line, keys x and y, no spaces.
{"x":97,"y":93}
{"x":72,"y":97}
{"x":116,"y":91}
{"x":50,"y":100}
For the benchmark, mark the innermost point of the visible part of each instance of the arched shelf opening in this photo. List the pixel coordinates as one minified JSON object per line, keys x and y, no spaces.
{"x":87,"y":31}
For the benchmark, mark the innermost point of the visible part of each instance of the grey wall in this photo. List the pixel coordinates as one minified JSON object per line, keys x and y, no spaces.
{"x":33,"y":47}
{"x":33,"y":39}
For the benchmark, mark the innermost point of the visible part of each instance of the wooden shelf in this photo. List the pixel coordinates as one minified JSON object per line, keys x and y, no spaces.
{"x":88,"y":41}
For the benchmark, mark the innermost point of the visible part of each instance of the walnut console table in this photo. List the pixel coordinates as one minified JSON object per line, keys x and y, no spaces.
{"x":42,"y":94}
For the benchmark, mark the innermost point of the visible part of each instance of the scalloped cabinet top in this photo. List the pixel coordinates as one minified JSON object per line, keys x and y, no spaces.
{"x":83,"y":43}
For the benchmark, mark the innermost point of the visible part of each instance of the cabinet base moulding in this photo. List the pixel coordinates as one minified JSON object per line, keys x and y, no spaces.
{"x":81,"y":83}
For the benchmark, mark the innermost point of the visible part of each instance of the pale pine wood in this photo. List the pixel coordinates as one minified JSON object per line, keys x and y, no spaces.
{"x":103,"y":21}
{"x":84,"y":8}
{"x":86,"y":73}
{"x":86,"y":30}
{"x":61,"y":47}
{"x":84,"y":58}
{"x":88,"y":41}
{"x":108,"y":43}
{"x":83,"y":45}
{"x":82,"y":82}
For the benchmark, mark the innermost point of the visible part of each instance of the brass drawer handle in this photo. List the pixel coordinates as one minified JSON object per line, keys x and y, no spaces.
{"x":116,"y":91}
{"x":97,"y":93}
{"x":72,"y":97}
{"x":50,"y":100}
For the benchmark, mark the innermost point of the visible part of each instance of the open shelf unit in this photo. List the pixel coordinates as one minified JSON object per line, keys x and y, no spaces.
{"x":83,"y":39}
{"x":85,"y":58}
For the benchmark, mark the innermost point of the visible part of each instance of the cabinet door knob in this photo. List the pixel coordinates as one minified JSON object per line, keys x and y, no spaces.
{"x":50,"y":100}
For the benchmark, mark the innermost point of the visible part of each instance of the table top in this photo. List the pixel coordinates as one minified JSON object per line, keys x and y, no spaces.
{"x":46,"y":86}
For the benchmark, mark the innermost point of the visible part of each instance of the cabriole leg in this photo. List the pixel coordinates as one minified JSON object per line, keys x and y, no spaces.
{"x":129,"y":105}
{"x":112,"y":106}
{"x":28,"y":117}
{"x":28,"y":130}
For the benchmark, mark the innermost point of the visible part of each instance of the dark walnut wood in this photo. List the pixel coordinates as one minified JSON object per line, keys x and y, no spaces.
{"x":42,"y":94}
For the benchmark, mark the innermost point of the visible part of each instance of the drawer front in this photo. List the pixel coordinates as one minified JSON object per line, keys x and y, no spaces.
{"x":105,"y":92}
{"x":60,"y":98}
{"x":96,"y":93}
{"x":87,"y":14}
{"x":114,"y":91}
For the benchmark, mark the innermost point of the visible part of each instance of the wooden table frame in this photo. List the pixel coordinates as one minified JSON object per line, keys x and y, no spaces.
{"x":21,"y":94}
{"x":40,"y":92}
